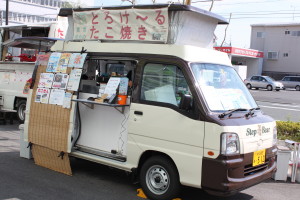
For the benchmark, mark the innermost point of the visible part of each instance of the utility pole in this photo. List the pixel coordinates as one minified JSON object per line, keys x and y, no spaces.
{"x":6,"y":14}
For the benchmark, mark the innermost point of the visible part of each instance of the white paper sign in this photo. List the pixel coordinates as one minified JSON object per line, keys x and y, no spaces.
{"x":57,"y":97}
{"x":125,"y":24}
{"x":46,"y":80}
{"x":59,"y":29}
{"x":67,"y":100}
{"x":53,"y":62}
{"x":63,"y":62}
{"x":60,"y":81}
{"x":74,"y":79}
{"x":123,"y":86}
{"x":42,"y":95}
{"x":77,"y":60}
{"x":111,"y":87}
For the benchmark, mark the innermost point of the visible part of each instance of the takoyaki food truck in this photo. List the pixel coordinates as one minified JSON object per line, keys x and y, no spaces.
{"x":142,"y":90}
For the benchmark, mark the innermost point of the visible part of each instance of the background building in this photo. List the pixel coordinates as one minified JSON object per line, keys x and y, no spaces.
{"x":29,"y":11}
{"x":247,"y":62}
{"x":281,"y":46}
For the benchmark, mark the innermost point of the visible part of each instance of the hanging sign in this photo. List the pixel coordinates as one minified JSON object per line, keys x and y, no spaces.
{"x":126,"y":24}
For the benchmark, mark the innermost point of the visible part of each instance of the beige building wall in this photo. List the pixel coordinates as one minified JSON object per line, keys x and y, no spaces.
{"x":284,"y":39}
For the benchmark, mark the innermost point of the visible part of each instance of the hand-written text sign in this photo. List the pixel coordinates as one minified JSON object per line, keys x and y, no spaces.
{"x":127,"y":24}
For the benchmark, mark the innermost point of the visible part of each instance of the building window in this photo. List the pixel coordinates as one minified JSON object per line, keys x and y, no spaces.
{"x":295,"y":33}
{"x":260,"y":34}
{"x":272,"y":55}
{"x":287,"y":32}
{"x":285,"y":55}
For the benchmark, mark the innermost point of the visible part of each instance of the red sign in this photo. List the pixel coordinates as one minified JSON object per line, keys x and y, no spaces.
{"x":240,"y":51}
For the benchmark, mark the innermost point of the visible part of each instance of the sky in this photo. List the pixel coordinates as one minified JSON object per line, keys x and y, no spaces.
{"x":243,"y":14}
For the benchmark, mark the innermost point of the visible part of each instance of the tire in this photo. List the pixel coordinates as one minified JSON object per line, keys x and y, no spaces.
{"x":269,"y":88}
{"x":159,"y":178}
{"x":21,"y":107}
{"x":297,"y":88}
{"x":249,"y":86}
{"x":277,"y":90}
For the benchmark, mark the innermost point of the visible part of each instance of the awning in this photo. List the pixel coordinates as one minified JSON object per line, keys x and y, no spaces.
{"x":39,"y":43}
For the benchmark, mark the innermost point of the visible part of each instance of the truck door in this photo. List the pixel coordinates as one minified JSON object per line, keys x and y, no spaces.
{"x":156,"y":122}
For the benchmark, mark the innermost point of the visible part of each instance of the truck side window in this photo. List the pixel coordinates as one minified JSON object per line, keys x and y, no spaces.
{"x":163,"y":83}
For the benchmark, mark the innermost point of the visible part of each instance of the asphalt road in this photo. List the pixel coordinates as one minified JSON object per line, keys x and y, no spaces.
{"x":21,"y":179}
{"x":283,"y":105}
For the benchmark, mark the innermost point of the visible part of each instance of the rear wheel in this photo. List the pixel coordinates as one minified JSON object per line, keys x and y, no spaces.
{"x":21,"y":107}
{"x":249,"y":86}
{"x":159,"y":178}
{"x":297,"y":88}
{"x":269,"y":88}
{"x":277,"y":89}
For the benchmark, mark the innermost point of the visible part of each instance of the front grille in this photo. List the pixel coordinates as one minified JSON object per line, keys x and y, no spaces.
{"x":250,"y":170}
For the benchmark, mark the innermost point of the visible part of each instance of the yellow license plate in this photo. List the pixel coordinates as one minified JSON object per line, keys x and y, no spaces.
{"x":259,"y":157}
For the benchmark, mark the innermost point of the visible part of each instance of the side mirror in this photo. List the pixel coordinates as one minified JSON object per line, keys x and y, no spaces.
{"x":185,"y":102}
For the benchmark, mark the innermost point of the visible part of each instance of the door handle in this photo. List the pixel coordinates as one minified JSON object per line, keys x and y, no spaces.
{"x":138,"y":112}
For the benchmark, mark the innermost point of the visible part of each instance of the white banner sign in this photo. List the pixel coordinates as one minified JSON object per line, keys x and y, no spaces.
{"x":127,"y":24}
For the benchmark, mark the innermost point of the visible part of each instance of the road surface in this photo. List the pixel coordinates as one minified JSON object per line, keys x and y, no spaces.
{"x":283,"y":105}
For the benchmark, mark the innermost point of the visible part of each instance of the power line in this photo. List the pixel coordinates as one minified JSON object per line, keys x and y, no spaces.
{"x":261,"y":17}
{"x":264,"y":11}
{"x":221,"y":4}
{"x":265,"y":14}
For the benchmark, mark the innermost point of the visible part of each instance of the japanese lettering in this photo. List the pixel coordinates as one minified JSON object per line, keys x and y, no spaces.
{"x":128,"y":24}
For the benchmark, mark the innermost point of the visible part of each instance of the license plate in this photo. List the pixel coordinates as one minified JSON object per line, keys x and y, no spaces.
{"x":259,"y":157}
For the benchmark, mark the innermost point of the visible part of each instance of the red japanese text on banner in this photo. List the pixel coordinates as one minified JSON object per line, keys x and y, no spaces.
{"x":126,"y":24}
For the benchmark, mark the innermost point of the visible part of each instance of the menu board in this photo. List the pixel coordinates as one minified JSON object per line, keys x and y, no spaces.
{"x":77,"y":60}
{"x":46,"y":80}
{"x":63,"y":62}
{"x":42,"y":95}
{"x":53,"y":62}
{"x":74,"y":79}
{"x":112,"y":86}
{"x":57,"y":97}
{"x":60,"y":81}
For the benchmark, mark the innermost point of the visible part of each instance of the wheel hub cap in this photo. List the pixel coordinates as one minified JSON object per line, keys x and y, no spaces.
{"x":157,"y":180}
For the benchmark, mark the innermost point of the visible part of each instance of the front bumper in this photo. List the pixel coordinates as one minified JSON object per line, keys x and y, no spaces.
{"x":226,"y":176}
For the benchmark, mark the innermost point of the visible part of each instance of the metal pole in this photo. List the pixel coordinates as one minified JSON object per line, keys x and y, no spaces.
{"x":6,"y":14}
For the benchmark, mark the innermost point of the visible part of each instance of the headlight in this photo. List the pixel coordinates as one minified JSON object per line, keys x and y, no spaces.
{"x":274,"y":135}
{"x":230,"y":144}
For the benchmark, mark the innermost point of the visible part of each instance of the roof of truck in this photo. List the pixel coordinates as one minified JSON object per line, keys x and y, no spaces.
{"x":185,"y":52}
{"x":172,"y":7}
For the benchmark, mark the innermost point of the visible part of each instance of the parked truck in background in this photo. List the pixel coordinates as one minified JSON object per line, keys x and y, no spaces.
{"x":18,"y":53}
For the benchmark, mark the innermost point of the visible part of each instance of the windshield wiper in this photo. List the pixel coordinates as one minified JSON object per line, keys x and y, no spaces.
{"x":229,"y":112}
{"x":250,"y":113}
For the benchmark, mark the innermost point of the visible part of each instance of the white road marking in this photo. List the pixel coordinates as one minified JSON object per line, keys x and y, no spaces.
{"x":280,"y":108}
{"x":286,"y":105}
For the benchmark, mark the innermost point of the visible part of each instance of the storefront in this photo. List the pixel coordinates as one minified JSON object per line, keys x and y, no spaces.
{"x":247,"y":62}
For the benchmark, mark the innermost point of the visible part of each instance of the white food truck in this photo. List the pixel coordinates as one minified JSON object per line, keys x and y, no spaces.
{"x":18,"y":67}
{"x":188,"y":119}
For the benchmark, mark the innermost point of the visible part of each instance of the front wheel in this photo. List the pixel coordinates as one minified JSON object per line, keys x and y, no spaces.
{"x":21,"y":107}
{"x":269,"y":88}
{"x":159,"y":178}
{"x":297,"y":88}
{"x":249,"y":86}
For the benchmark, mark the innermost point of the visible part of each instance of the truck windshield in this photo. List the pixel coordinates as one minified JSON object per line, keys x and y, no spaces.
{"x":222,"y":87}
